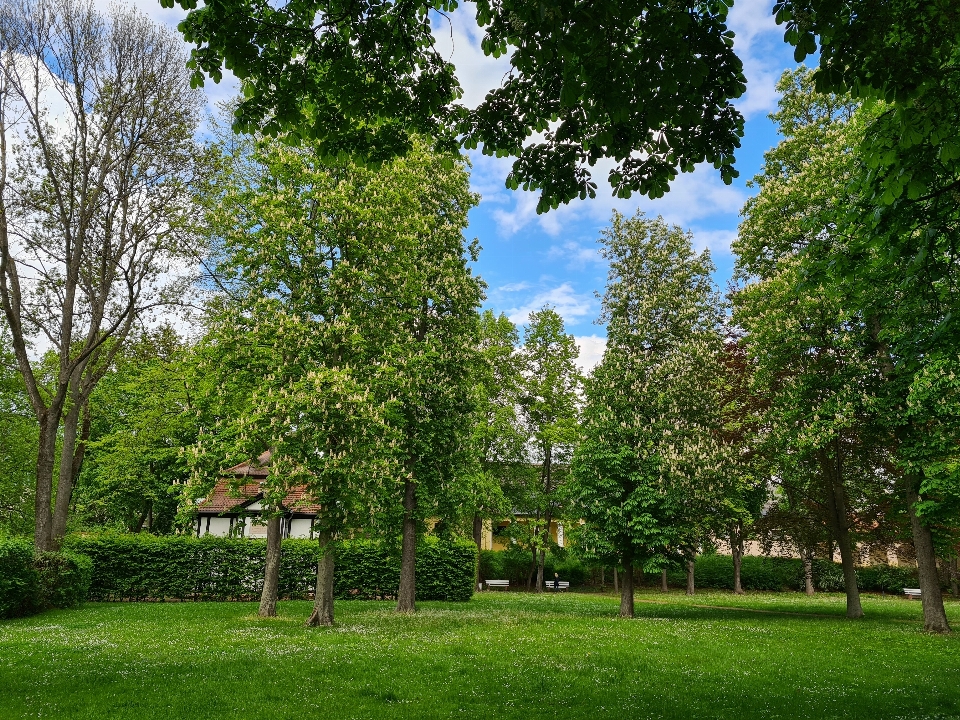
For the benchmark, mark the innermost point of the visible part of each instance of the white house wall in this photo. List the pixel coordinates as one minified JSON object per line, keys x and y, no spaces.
{"x":300,"y":527}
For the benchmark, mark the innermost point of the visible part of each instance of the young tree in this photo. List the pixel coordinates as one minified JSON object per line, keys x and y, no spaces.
{"x":549,"y":407}
{"x":648,"y":462}
{"x":96,"y":160}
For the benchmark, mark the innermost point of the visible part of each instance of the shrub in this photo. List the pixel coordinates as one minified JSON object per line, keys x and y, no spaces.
{"x":140,"y":567}
{"x":18,"y":578}
{"x":63,"y":579}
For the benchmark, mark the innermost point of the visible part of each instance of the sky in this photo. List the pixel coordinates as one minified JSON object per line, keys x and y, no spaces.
{"x":530,"y":261}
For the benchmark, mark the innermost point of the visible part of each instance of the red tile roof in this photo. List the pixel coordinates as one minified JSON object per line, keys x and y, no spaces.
{"x":222,"y":500}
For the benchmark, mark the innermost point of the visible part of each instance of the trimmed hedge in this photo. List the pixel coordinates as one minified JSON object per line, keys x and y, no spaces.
{"x":32,"y":582}
{"x":150,"y":567}
{"x":774,"y":574}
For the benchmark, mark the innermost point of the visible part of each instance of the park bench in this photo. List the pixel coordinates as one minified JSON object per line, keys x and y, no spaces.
{"x":503,"y":584}
{"x":561,"y":585}
{"x":912,"y":593}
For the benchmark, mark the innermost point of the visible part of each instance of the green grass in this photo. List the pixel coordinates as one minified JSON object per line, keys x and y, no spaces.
{"x":502,"y":655}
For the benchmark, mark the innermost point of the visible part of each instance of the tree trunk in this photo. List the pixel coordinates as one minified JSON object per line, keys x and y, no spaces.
{"x":663,"y":581}
{"x":934,"y":615}
{"x":323,"y":596}
{"x":690,"y":587}
{"x":616,"y":581}
{"x":736,"y":548}
{"x":478,"y":540}
{"x":74,"y":443}
{"x":839,"y":526}
{"x":43,"y":498}
{"x":808,"y":572}
{"x":540,"y":562}
{"x":626,"y":587}
{"x":271,"y":572}
{"x":954,"y":590}
{"x":407,"y":594}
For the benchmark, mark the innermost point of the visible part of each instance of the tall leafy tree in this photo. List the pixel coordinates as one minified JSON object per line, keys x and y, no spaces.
{"x":648,"y":465}
{"x":888,"y":324}
{"x":97,"y":159}
{"x":347,"y":319}
{"x":548,"y":401}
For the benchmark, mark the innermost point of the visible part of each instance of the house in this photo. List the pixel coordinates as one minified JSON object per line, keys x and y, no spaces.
{"x":229,"y":514}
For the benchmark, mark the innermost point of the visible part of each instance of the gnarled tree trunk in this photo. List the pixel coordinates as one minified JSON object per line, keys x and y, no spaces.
{"x":271,"y":571}
{"x":323,"y":596}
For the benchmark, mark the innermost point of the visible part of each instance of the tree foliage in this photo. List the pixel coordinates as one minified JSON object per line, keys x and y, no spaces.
{"x":645,"y":84}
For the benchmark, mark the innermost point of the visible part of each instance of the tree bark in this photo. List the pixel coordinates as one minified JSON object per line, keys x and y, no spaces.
{"x":663,"y":581}
{"x":934,"y":615}
{"x":478,"y":540}
{"x":808,"y":573}
{"x":407,"y":594}
{"x":736,"y":548}
{"x":43,"y":497}
{"x":322,"y":614}
{"x":616,"y":581}
{"x":690,"y":587}
{"x":74,"y":444}
{"x":839,"y":526}
{"x":271,"y":571}
{"x":626,"y":587}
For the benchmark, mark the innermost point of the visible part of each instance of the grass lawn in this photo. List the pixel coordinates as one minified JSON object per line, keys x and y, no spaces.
{"x":502,"y":655}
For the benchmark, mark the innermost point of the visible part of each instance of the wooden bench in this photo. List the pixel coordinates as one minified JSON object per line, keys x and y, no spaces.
{"x":502,"y":584}
{"x":912,"y":593}
{"x":561,"y":585}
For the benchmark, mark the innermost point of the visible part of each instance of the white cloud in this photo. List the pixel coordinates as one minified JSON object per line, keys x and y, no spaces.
{"x":515,"y":287}
{"x":758,"y":38}
{"x":591,"y":351}
{"x":717,"y":241}
{"x":569,"y":304}
{"x":576,"y":255}
{"x":692,"y":196}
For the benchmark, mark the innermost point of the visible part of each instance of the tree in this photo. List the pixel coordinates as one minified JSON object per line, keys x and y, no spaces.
{"x":869,"y":329}
{"x":549,"y":403}
{"x":649,"y":85}
{"x":498,"y":439}
{"x":18,"y":428}
{"x":144,"y":412}
{"x":95,"y":206}
{"x":348,"y":334}
{"x":648,"y":461}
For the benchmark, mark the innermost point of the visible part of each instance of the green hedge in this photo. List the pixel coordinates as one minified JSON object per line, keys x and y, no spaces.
{"x":773,"y":573}
{"x":149,"y":567}
{"x":18,"y":578}
{"x":32,"y":582}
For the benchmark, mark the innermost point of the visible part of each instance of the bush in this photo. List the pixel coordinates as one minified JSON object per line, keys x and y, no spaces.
{"x":18,"y":578}
{"x":141,"y":567}
{"x":773,"y":573}
{"x":63,"y":579}
{"x":756,"y":573}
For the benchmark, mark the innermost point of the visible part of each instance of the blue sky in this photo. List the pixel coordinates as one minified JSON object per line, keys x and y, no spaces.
{"x":529,"y":261}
